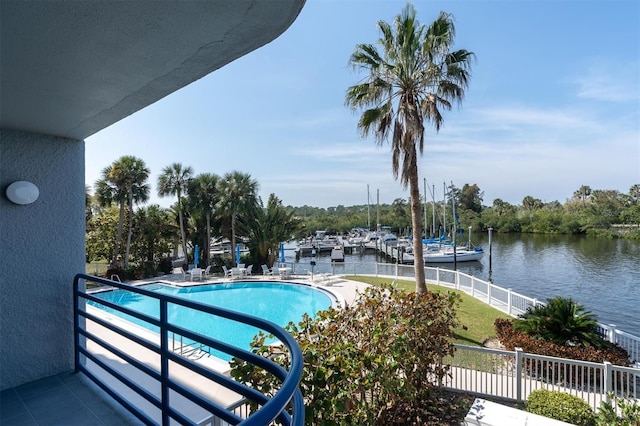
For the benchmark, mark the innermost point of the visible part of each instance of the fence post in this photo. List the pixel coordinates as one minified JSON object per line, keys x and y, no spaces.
{"x":457,"y":280}
{"x":489,"y":293}
{"x":473,"y":287}
{"x":519,"y":353}
{"x":376,"y":269}
{"x":608,"y":380}
{"x":509,"y":301}
{"x":611,"y":335}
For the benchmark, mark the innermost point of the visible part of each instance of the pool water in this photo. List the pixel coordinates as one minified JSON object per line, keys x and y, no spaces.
{"x":279,"y":303}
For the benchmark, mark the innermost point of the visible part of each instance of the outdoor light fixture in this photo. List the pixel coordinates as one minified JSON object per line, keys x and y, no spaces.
{"x":22,"y":192}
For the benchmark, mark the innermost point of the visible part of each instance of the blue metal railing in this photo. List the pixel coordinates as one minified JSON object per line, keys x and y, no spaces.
{"x":287,"y":397}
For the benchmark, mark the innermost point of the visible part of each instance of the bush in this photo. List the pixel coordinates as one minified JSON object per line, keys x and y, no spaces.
{"x":561,"y":406}
{"x":512,"y":339}
{"x":618,"y":412}
{"x":363,"y":363}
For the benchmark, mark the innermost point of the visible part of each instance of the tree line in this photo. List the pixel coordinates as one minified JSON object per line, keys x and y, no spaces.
{"x":601,"y":212}
{"x":207,"y":206}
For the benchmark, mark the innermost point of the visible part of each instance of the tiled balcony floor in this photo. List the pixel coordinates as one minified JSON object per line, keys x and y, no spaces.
{"x":63,"y":400}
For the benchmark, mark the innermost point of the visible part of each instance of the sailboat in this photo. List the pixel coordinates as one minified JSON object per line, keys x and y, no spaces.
{"x":441,"y":251}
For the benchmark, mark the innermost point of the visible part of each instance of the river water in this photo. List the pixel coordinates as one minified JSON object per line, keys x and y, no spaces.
{"x":601,"y":274}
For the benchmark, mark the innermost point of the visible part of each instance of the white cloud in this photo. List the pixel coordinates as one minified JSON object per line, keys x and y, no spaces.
{"x":608,"y":82}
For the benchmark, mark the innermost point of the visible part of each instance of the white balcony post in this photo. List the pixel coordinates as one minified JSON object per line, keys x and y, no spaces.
{"x":438,"y":275}
{"x":608,"y":380}
{"x":489,"y":294}
{"x":509,"y":295}
{"x":519,"y":357}
{"x":473,"y":287}
{"x":611,"y":334}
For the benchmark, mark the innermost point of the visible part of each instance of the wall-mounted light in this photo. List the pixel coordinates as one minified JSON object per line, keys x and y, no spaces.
{"x":22,"y":192}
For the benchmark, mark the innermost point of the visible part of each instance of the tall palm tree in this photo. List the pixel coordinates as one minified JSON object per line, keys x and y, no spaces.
{"x":416,"y":76}
{"x":203,"y":196}
{"x":238,"y":196}
{"x":124,"y":182}
{"x":173,"y":181}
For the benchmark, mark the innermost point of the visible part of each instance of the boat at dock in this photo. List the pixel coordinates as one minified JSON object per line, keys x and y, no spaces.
{"x":462,"y":254}
{"x":337,"y":254}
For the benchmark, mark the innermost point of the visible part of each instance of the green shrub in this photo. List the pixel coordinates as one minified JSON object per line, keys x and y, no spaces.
{"x":365,"y":362}
{"x":618,"y":412}
{"x":561,"y":406}
{"x":512,"y":338}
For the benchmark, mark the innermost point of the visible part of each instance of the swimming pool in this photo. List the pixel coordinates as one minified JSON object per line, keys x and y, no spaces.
{"x":279,"y":303}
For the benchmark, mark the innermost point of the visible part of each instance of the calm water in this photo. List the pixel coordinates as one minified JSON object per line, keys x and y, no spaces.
{"x":601,"y":274}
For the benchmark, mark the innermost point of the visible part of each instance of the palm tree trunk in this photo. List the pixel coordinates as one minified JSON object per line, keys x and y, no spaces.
{"x":182,"y":234}
{"x":116,"y":252}
{"x":233,"y":237}
{"x":128,"y":247}
{"x":208,"y":257}
{"x":418,"y":259}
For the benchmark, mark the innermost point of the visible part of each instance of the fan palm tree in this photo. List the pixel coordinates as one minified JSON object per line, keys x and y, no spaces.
{"x":203,"y":196}
{"x":270,"y":226}
{"x":173,"y":181}
{"x":123,"y":182}
{"x":408,"y":83}
{"x":561,"y":321}
{"x":238,"y":196}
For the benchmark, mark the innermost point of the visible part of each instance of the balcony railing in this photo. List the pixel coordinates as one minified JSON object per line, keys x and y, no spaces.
{"x":515,"y":374}
{"x":157,"y":404}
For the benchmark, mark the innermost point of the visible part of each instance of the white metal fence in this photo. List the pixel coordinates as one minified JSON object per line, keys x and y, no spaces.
{"x":505,"y":300}
{"x":515,"y":374}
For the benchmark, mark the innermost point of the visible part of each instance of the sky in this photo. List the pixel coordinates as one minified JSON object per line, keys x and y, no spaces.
{"x":553,"y":104}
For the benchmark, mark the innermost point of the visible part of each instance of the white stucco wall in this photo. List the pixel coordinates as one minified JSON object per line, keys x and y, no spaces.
{"x":42,"y":247}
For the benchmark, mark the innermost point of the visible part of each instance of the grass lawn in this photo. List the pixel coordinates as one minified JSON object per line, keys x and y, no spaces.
{"x":475,"y":317}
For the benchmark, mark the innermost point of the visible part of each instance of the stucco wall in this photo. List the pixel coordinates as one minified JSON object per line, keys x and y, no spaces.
{"x":42,"y":248}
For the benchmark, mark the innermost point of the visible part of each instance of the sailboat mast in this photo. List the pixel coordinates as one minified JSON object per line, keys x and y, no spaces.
{"x":433,"y":197}
{"x":444,"y":206}
{"x":368,"y":210}
{"x":425,"y":207}
{"x":378,"y":211}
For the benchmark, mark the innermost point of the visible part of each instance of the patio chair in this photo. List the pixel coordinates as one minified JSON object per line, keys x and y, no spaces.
{"x":207,"y":271}
{"x":180,"y":271}
{"x":247,"y":270}
{"x":196,"y":272}
{"x":236,"y":272}
{"x":227,"y":273}
{"x":266,"y":271}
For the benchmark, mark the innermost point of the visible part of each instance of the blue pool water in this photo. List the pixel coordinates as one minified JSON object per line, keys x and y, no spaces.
{"x":277,"y":302}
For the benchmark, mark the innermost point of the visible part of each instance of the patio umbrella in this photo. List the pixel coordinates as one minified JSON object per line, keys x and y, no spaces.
{"x":281,"y":252}
{"x":237,"y":254}
{"x":196,"y":254}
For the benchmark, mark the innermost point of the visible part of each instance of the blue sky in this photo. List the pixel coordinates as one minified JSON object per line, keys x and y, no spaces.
{"x":553,"y":104}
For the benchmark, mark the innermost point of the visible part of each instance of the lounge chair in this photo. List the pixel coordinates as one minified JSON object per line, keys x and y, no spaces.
{"x":207,"y":271}
{"x":266,"y":271}
{"x":179,"y":271}
{"x":247,"y":270}
{"x":227,"y":273}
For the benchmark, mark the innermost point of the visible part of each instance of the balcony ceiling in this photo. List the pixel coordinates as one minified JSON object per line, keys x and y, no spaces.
{"x":72,"y":68}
